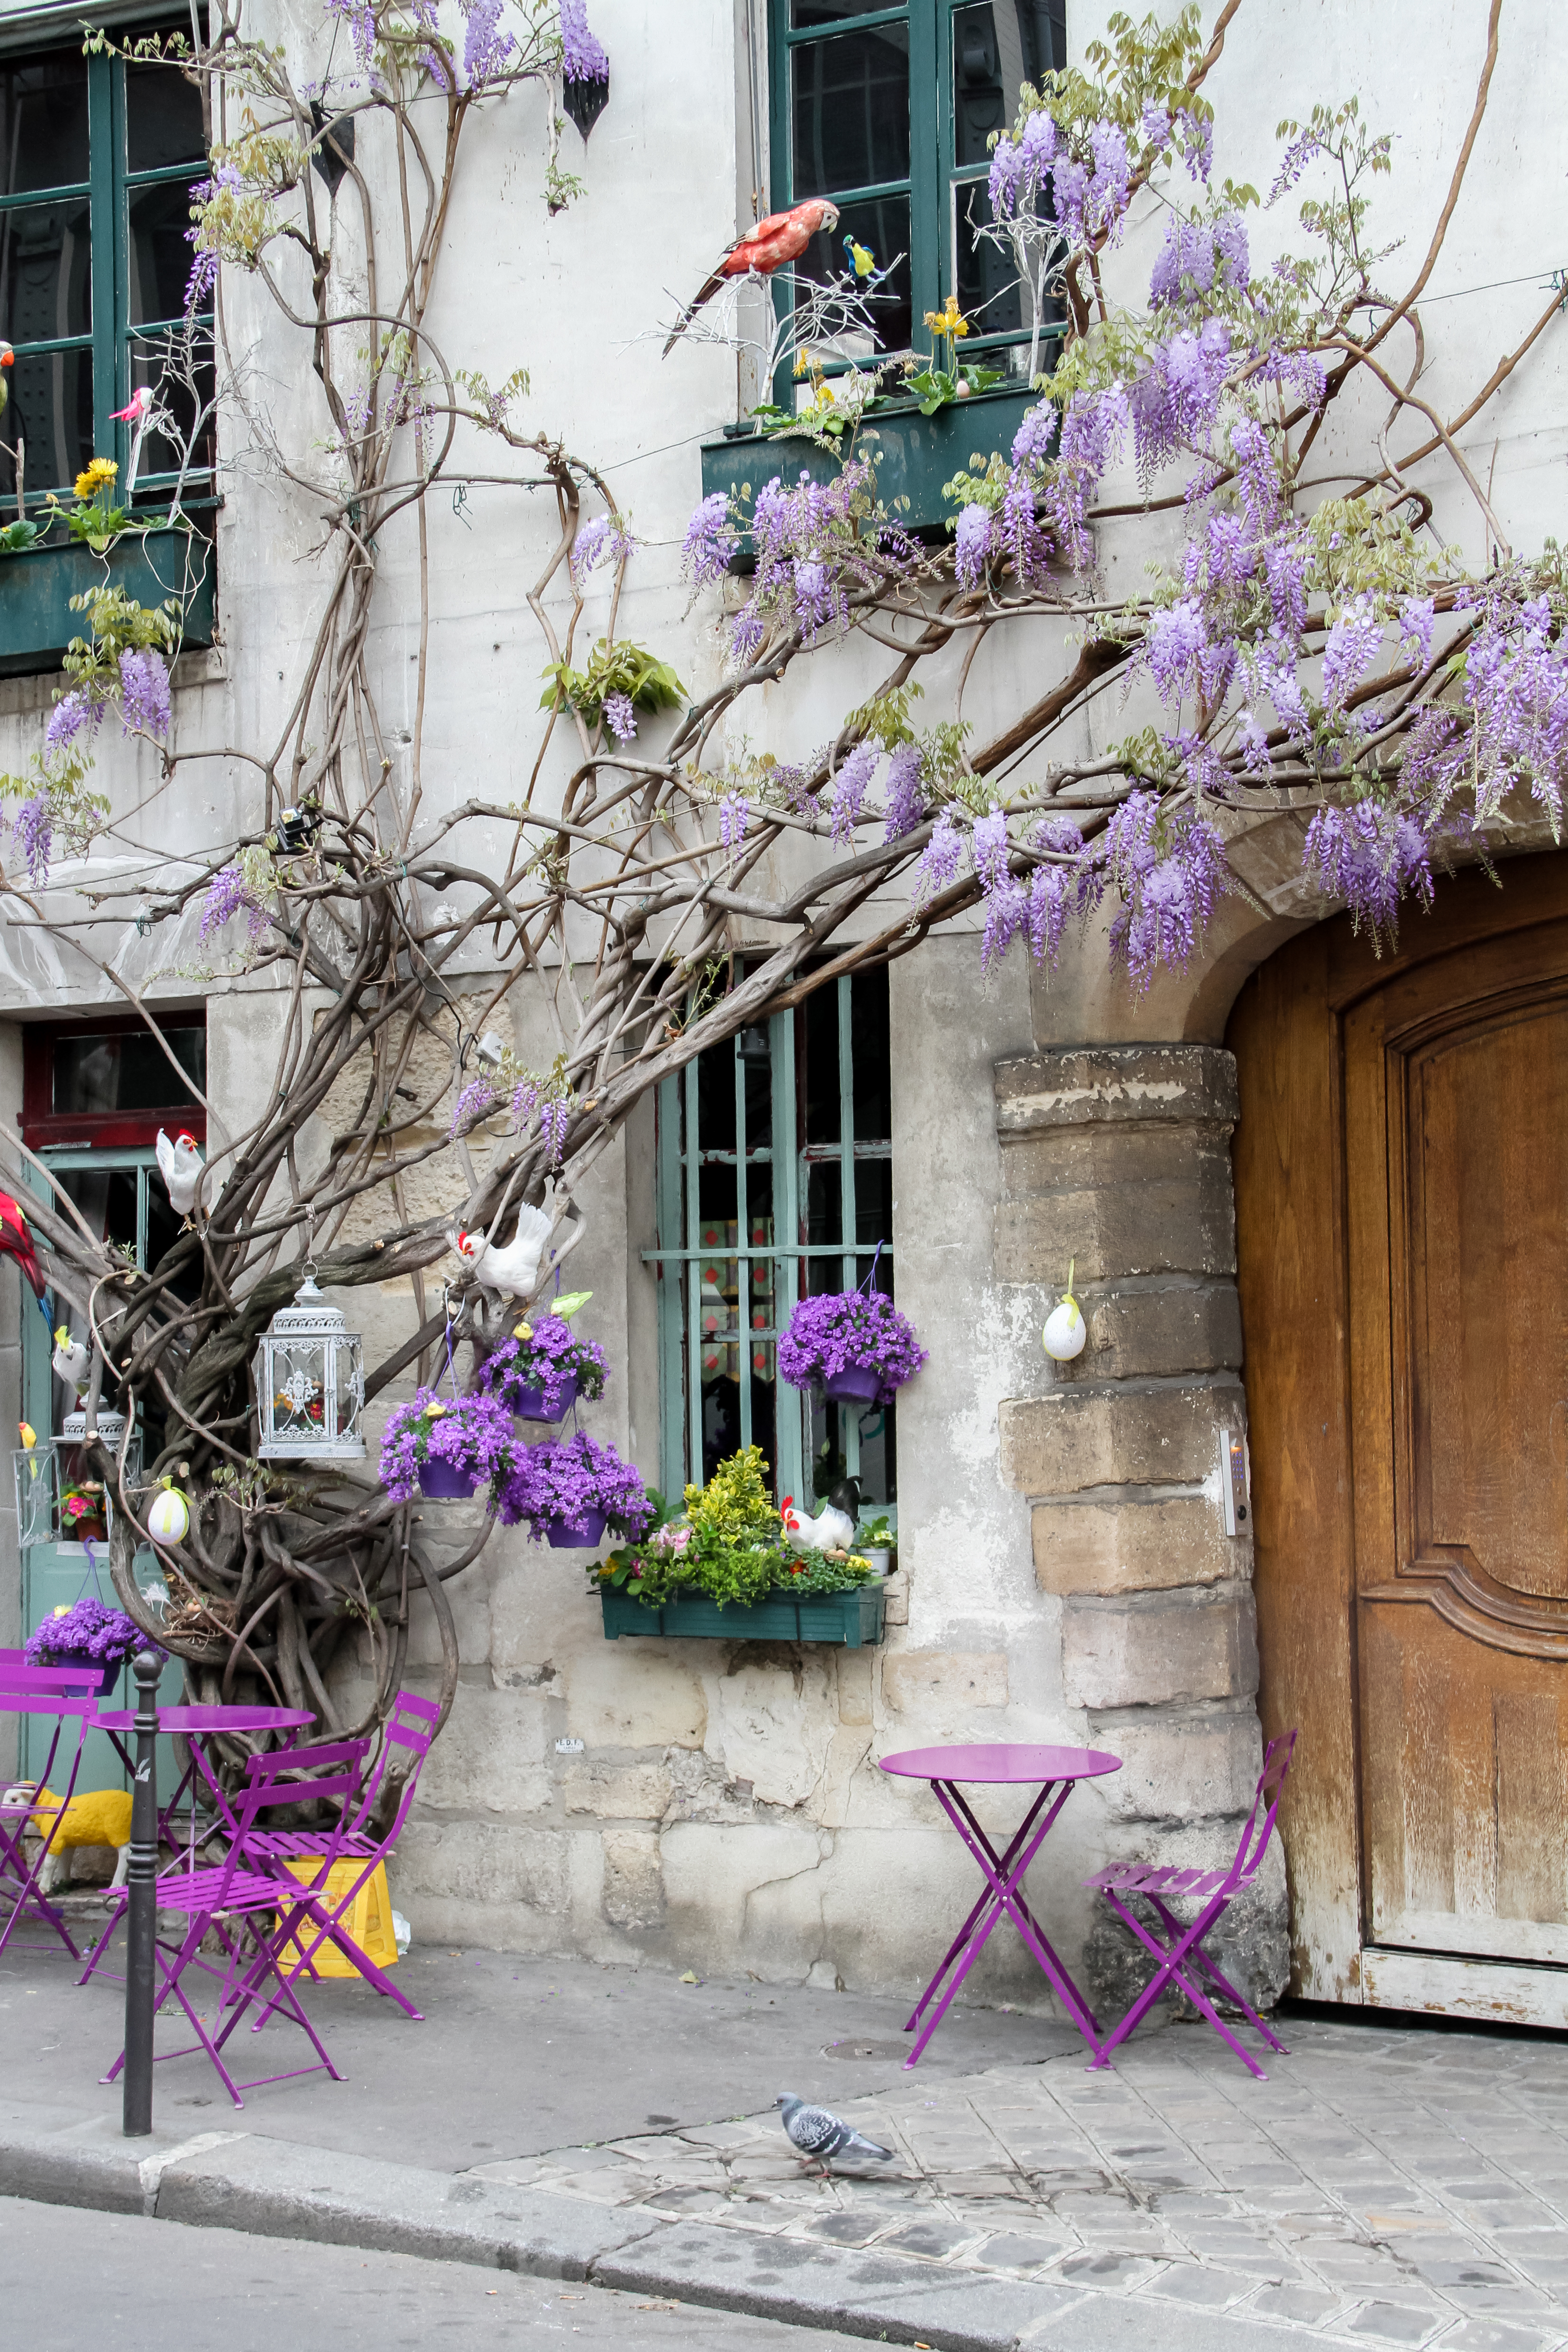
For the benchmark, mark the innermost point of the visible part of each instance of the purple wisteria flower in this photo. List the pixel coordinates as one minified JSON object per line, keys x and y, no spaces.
{"x":827,"y":1334}
{"x":228,"y":894}
{"x":1199,"y":259}
{"x":485,"y":48}
{"x":86,"y":1629}
{"x":1169,"y":899}
{"x":564,"y":1483}
{"x":1371,"y":856}
{"x":1060,"y":834}
{"x":553,"y":1117}
{"x":938,"y":860}
{"x":472,"y":1434}
{"x":971,"y":545}
{"x":584,"y":58}
{"x":811,"y":552}
{"x":620,"y":718}
{"x":552,"y":1360}
{"x":904,"y":784}
{"x":734,"y":817}
{"x":853,"y":782}
{"x":605,"y":540}
{"x":34,"y":826}
{"x":711,"y":541}
{"x":476,"y":1101}
{"x":1416,"y":618}
{"x":70,"y":714}
{"x":1351,"y":649}
{"x":143,"y":693}
{"x":989,"y":847}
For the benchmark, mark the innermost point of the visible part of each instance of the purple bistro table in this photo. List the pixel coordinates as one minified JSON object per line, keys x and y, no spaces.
{"x":192,"y":1722}
{"x":1053,"y":1772}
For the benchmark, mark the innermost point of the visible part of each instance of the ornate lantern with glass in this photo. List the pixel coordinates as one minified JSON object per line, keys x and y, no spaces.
{"x":310,"y":1383}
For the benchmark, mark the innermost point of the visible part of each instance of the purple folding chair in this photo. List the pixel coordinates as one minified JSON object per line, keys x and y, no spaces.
{"x":212,"y":1900}
{"x":1178,"y":1950}
{"x":406,"y":1742}
{"x":67,"y":1692}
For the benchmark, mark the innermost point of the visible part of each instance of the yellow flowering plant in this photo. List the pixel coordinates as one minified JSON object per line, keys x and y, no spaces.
{"x":935,"y":384}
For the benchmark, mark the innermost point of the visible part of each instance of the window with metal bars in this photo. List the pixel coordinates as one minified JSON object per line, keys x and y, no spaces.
{"x":890,"y":112}
{"x":776,"y":1180}
{"x":97,"y":159}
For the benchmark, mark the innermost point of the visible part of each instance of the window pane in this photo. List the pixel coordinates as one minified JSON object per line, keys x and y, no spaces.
{"x":873,"y":1063}
{"x":828,"y":1429}
{"x":851,"y":111}
{"x":43,"y":123}
{"x":804,"y":15}
{"x":185,"y":392}
{"x":50,"y":408}
{"x":824,"y":1214}
{"x":158,"y":261}
{"x":163,"y":119}
{"x":986,"y":275}
{"x":995,"y":50}
{"x":882,"y":222}
{"x":874,"y":1210}
{"x":816,"y":1076}
{"x":46,"y":280}
{"x":128,"y":1072}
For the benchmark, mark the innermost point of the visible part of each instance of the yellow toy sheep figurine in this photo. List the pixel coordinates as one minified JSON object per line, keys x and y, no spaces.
{"x":99,"y":1817}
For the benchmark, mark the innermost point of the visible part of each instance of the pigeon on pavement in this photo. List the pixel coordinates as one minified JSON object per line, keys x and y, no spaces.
{"x":818,"y":2134}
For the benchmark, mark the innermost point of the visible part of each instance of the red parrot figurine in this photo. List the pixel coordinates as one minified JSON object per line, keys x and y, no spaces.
{"x":783,"y":236}
{"x":17,"y":1242}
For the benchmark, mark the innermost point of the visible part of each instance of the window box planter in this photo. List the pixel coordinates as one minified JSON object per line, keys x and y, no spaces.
{"x":36,"y":623}
{"x":852,"y":1620}
{"x":914,"y":455}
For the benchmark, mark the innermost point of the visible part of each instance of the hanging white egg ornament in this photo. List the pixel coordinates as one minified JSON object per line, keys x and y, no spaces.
{"x":1066,"y":1330}
{"x":169,"y":1519}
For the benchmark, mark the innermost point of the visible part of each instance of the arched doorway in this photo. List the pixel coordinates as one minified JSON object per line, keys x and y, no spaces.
{"x":1401,"y":1211}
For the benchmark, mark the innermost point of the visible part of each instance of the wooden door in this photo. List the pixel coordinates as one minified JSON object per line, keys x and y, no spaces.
{"x":1403,"y":1230}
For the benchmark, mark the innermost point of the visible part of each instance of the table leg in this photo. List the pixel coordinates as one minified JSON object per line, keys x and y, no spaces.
{"x":1029,"y":1927}
{"x":962,"y":1938}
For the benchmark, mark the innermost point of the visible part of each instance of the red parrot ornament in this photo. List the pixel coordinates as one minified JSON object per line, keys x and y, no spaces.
{"x":781,"y":238}
{"x":17,"y":1242}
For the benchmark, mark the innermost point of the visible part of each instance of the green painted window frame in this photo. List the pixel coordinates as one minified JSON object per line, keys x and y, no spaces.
{"x":934,"y":174}
{"x":108,"y":189}
{"x":679,"y":1263}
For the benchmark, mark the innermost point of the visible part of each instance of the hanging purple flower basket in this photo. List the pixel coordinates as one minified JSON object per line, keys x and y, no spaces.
{"x":445,"y":1482}
{"x":859,"y":1383}
{"x":552,"y":1403}
{"x":585,"y":1535}
{"x":108,"y":1672}
{"x":853,"y":1344}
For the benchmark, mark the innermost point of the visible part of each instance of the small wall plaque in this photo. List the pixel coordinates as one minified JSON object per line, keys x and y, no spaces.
{"x":568,"y":1747}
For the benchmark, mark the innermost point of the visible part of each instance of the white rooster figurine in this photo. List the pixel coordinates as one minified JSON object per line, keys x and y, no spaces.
{"x":833,"y":1529}
{"x":180,"y":1165}
{"x":71,"y":1360}
{"x":511,"y":1272}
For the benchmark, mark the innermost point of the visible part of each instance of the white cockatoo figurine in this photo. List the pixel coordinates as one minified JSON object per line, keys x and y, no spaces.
{"x":71,"y":1360}
{"x":512,"y":1272}
{"x":180,"y":1165}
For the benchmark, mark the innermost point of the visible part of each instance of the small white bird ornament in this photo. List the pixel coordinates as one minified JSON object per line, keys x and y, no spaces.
{"x":511,"y":1272}
{"x":180,"y":1165}
{"x":71,"y":1360}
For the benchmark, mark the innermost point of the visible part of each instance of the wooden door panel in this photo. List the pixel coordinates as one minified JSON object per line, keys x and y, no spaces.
{"x":1465,"y":1789}
{"x":1487,"y":1250}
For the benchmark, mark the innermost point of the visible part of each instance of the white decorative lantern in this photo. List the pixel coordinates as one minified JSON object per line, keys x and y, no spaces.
{"x":309,"y":1383}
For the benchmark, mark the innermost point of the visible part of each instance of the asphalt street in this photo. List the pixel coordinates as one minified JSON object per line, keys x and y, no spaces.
{"x":75,"y":2278}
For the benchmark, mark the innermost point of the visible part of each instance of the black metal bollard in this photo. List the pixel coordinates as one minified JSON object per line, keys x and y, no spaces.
{"x":141,"y":1908}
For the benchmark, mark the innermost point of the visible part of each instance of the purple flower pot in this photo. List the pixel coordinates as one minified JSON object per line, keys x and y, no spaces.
{"x":108,"y":1672}
{"x":577,"y":1535}
{"x":527,"y":1404}
{"x":443,"y":1482}
{"x":859,"y":1383}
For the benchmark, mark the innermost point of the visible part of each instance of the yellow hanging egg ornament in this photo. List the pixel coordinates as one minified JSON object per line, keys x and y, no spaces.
{"x":169,"y":1519}
{"x":1065,"y":1331}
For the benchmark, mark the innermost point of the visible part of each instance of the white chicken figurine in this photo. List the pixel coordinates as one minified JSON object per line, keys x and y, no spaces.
{"x":833,"y":1529}
{"x":71,"y":1360}
{"x":513,"y":1271}
{"x":180,"y":1165}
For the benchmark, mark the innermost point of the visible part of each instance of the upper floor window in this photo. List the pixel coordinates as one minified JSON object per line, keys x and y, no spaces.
{"x":776,"y":1180}
{"x":96,"y":159}
{"x":888,"y":110}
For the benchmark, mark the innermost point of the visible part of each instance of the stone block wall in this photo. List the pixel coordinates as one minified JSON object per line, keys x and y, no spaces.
{"x":1115,"y":1159}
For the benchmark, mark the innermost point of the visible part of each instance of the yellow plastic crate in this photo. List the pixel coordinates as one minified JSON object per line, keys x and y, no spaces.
{"x":368,"y":1919}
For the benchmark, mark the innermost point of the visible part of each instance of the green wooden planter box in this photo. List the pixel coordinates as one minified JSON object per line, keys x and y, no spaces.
{"x":36,"y":623}
{"x":914,"y":455}
{"x":853,"y":1619}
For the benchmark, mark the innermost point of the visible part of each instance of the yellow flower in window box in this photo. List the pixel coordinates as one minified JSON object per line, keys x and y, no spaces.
{"x":98,"y":475}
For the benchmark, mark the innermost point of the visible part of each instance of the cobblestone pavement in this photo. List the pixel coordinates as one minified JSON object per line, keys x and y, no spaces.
{"x":1386,"y":2187}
